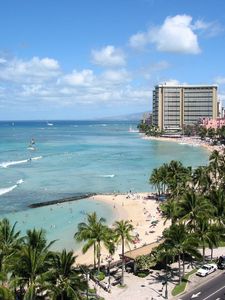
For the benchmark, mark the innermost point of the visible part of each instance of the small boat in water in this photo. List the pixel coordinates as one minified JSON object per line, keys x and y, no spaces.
{"x":32,"y":145}
{"x":50,"y":124}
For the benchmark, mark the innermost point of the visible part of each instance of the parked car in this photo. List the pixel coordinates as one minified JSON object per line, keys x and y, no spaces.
{"x":221,"y":263}
{"x":206,"y":269}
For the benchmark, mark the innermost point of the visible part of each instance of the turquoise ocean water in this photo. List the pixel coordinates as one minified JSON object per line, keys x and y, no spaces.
{"x":71,"y":158}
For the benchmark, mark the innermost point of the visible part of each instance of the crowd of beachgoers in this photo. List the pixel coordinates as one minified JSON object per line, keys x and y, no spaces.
{"x":192,"y":141}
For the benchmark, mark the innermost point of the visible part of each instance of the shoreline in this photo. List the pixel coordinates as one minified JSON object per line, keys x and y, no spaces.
{"x":140,"y":210}
{"x":191,"y":141}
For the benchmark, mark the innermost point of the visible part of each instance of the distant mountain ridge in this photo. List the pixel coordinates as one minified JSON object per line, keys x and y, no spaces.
{"x":128,"y":117}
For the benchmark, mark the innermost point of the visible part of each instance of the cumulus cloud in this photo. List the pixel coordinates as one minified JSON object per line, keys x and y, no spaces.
{"x":40,"y":83}
{"x":139,"y":40}
{"x":176,"y":34}
{"x":76,"y":78}
{"x":108,"y":56}
{"x":35,"y":69}
{"x":117,"y":76}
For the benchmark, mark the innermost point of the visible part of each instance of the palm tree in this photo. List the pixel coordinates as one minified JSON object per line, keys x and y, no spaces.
{"x":177,"y":177}
{"x":203,"y":233}
{"x":217,"y":166}
{"x":94,"y":232}
{"x":32,"y":261}
{"x":216,"y":235}
{"x":66,"y":281}
{"x":202,"y":132}
{"x":182,"y":243}
{"x":5,"y":293}
{"x":217,"y":198}
{"x":122,"y":231}
{"x":9,"y":241}
{"x":211,"y":133}
{"x":194,"y":206}
{"x":170,"y":210}
{"x":164,"y":253}
{"x":201,"y":179}
{"x":155,"y":180}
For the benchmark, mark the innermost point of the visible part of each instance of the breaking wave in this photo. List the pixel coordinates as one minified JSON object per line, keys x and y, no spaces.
{"x":7,"y":164}
{"x":107,"y":176}
{"x":11,"y":188}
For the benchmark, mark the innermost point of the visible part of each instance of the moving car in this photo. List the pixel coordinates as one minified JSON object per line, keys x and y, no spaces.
{"x":206,"y":269}
{"x":221,"y":263}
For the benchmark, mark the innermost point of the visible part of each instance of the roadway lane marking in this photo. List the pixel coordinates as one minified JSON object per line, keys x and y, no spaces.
{"x":195,"y":295}
{"x":214,"y":293}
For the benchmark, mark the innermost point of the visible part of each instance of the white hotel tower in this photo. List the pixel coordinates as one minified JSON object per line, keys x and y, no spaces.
{"x":177,"y":105}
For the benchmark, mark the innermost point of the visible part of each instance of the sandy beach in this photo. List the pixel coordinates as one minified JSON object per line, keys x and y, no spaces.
{"x":192,"y":141}
{"x":141,"y":211}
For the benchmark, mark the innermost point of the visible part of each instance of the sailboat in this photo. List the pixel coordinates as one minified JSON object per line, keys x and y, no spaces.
{"x":32,"y":145}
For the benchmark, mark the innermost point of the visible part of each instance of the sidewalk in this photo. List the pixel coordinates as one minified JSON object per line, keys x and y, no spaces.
{"x":151,"y":287}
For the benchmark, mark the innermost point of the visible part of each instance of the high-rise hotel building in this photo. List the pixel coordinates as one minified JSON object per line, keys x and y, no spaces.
{"x":176,"y":106}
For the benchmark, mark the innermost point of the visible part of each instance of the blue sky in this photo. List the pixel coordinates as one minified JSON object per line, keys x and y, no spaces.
{"x":83,"y":59}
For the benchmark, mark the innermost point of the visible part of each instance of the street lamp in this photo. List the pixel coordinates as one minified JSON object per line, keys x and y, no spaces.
{"x":109,"y":259}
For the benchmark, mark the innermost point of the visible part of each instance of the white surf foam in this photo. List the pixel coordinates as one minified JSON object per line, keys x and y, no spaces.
{"x":7,"y":164}
{"x":107,"y":176}
{"x":11,"y":163}
{"x":19,"y":181}
{"x":36,"y":158}
{"x":31,"y":148}
{"x":11,"y":188}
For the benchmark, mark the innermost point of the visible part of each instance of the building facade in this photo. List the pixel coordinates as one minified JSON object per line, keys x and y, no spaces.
{"x":176,"y":106}
{"x":213,"y":123}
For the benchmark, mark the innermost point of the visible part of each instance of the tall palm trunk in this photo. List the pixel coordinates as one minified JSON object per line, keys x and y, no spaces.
{"x":179,"y":265}
{"x":99,"y":255}
{"x":94,"y":255}
{"x":203,"y":252}
{"x":212,"y":253}
{"x":123,"y":262}
{"x":183,"y":265}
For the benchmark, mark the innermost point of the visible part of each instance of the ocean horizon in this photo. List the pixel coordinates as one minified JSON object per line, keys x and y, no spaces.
{"x":49,"y":160}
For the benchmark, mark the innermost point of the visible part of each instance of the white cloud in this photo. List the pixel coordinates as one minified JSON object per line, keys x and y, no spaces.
{"x":209,"y":29}
{"x":83,"y":78}
{"x":2,"y":60}
{"x":36,"y":69}
{"x":108,"y":56}
{"x":49,"y":63}
{"x":220,"y":80}
{"x":40,"y":83}
{"x":172,"y":82}
{"x":117,"y":76}
{"x":174,"y":35}
{"x":139,"y":40}
{"x":199,"y":24}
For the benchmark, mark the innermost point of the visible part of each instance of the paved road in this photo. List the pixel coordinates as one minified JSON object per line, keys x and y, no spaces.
{"x":213,"y":289}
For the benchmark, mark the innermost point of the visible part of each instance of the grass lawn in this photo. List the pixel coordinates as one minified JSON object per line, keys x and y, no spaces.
{"x":179,"y":288}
